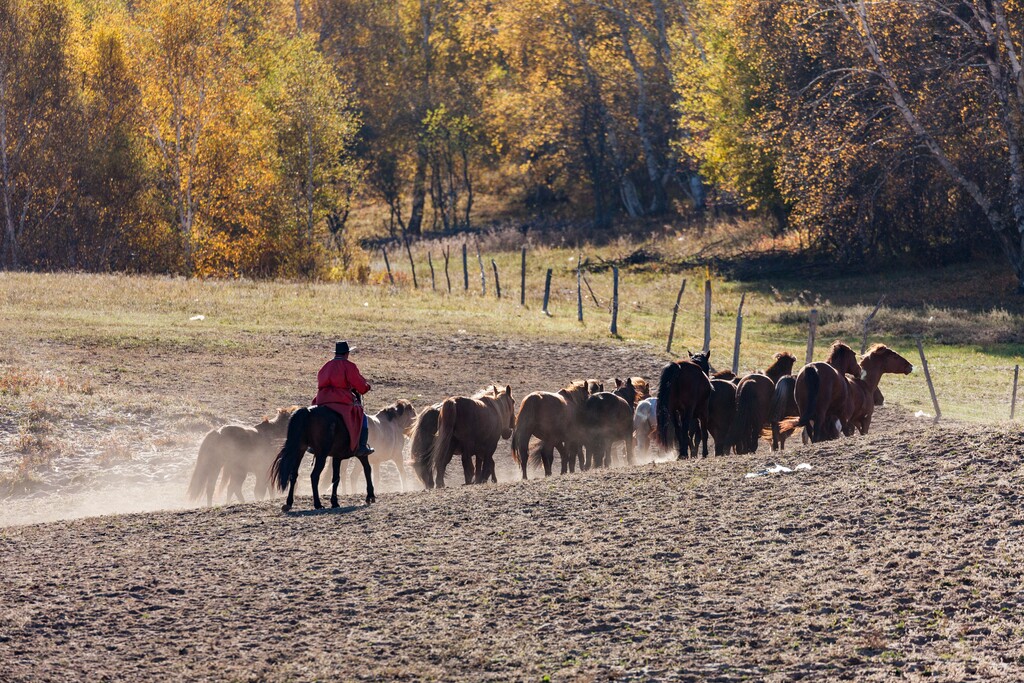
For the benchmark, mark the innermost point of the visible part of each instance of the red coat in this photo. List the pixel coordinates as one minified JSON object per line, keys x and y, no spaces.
{"x":336,"y":381}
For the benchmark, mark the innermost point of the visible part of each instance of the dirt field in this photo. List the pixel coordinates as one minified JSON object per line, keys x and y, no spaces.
{"x":896,"y":554}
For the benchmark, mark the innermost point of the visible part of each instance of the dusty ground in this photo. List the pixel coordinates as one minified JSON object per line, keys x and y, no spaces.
{"x":897,"y":554}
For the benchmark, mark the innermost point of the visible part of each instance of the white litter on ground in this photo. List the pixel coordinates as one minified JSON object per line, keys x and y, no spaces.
{"x":198,"y":317}
{"x":778,"y":469}
{"x":921,"y":413}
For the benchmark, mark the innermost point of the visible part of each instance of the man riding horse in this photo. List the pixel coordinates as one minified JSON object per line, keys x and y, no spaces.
{"x":340,"y":387}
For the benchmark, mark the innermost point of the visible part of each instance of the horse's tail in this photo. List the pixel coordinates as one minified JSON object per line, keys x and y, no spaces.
{"x":738,"y":436}
{"x":669,"y":376}
{"x":524,"y":430}
{"x":445,"y":432}
{"x":208,"y":467}
{"x":786,"y":427}
{"x":286,"y":464}
{"x":777,"y":408}
{"x":813,"y":385}
{"x":423,"y":433}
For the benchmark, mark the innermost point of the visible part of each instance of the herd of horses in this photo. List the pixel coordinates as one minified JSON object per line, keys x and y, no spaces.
{"x":582,"y":422}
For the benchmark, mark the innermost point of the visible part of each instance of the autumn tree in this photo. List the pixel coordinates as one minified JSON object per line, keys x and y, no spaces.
{"x":38,"y":110}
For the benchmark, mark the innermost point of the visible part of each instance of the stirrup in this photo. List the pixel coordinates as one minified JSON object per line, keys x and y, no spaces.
{"x":364,"y":451}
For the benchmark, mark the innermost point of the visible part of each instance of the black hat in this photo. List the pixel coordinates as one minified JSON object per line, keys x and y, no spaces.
{"x":341,"y":348}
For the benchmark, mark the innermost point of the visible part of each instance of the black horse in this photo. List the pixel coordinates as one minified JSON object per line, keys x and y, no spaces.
{"x":322,"y":431}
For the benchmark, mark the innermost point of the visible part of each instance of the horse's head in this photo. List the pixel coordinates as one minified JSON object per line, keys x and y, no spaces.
{"x":702,"y":359}
{"x":403,"y":415}
{"x":642,"y":386}
{"x":625,"y":390}
{"x":594,"y":386}
{"x":843,"y":359}
{"x":508,"y":405}
{"x":881,"y":359}
{"x":277,"y":426}
{"x":782,"y":365}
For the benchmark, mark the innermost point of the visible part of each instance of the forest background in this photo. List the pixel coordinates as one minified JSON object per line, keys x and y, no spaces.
{"x":278,"y":138}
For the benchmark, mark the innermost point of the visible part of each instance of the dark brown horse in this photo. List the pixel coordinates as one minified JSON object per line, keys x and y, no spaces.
{"x":721,"y":411}
{"x":472,"y":427}
{"x":753,"y":401}
{"x":683,"y":394}
{"x":606,"y":418}
{"x":727,"y":375}
{"x":879,"y":360}
{"x":322,"y":431}
{"x":821,"y":392}
{"x":554,"y":419}
{"x":236,"y":452}
{"x":781,"y":366}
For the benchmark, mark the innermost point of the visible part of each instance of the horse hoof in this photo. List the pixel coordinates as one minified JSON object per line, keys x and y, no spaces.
{"x":318,"y":506}
{"x":371,"y":499}
{"x":286,"y":507}
{"x":335,"y":504}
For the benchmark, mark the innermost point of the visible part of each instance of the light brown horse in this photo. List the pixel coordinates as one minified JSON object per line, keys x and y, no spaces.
{"x":554,"y":419}
{"x":236,"y":452}
{"x":472,"y":427}
{"x":821,"y":392}
{"x":879,"y":360}
{"x":606,"y":418}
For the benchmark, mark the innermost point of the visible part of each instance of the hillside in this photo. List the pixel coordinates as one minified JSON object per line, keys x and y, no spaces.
{"x":896,"y":554}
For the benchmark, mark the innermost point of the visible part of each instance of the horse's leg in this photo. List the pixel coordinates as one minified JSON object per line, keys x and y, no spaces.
{"x":401,"y":479}
{"x":335,"y":479}
{"x":865,"y":424}
{"x":629,"y":449}
{"x":548,"y":456}
{"x":468,"y":468}
{"x":314,"y":479}
{"x":568,"y":462}
{"x":368,"y":474}
{"x":291,"y":491}
{"x":704,"y":433}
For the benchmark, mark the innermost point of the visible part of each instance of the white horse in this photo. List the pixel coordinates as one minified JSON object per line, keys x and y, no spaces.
{"x":386,"y":432}
{"x":645,"y":424}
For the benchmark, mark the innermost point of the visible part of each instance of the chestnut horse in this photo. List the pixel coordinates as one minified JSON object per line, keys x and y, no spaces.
{"x":753,"y":401}
{"x":879,"y":360}
{"x":821,"y":392}
{"x":472,"y":426}
{"x":683,"y":394}
{"x":321,"y":430}
{"x":607,"y":417}
{"x":552,"y":418}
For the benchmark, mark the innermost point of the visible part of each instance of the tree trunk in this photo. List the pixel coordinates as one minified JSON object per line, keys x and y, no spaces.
{"x":419,"y":192}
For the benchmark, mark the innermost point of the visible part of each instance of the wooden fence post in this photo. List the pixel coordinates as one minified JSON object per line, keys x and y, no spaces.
{"x":1013,"y":401}
{"x":812,"y":333}
{"x":615,"y":301}
{"x":412,"y":264}
{"x":387,"y":264}
{"x":447,"y":253}
{"x":483,"y":278}
{"x":928,"y":379}
{"x":707,"y":314}
{"x":675,"y":313}
{"x":579,"y":290}
{"x":497,"y":282}
{"x":522,"y":282}
{"x":465,"y":269}
{"x":430,"y":262}
{"x":739,"y":335}
{"x":547,"y":291}
{"x":867,"y":321}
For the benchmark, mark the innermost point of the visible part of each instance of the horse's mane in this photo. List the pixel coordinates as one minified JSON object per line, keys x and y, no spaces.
{"x":781,"y":358}
{"x":399,"y":407}
{"x":282,"y":414}
{"x":876,"y":349}
{"x":838,"y":350}
{"x":727,"y":375}
{"x":576,"y":392}
{"x":487,"y":391}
